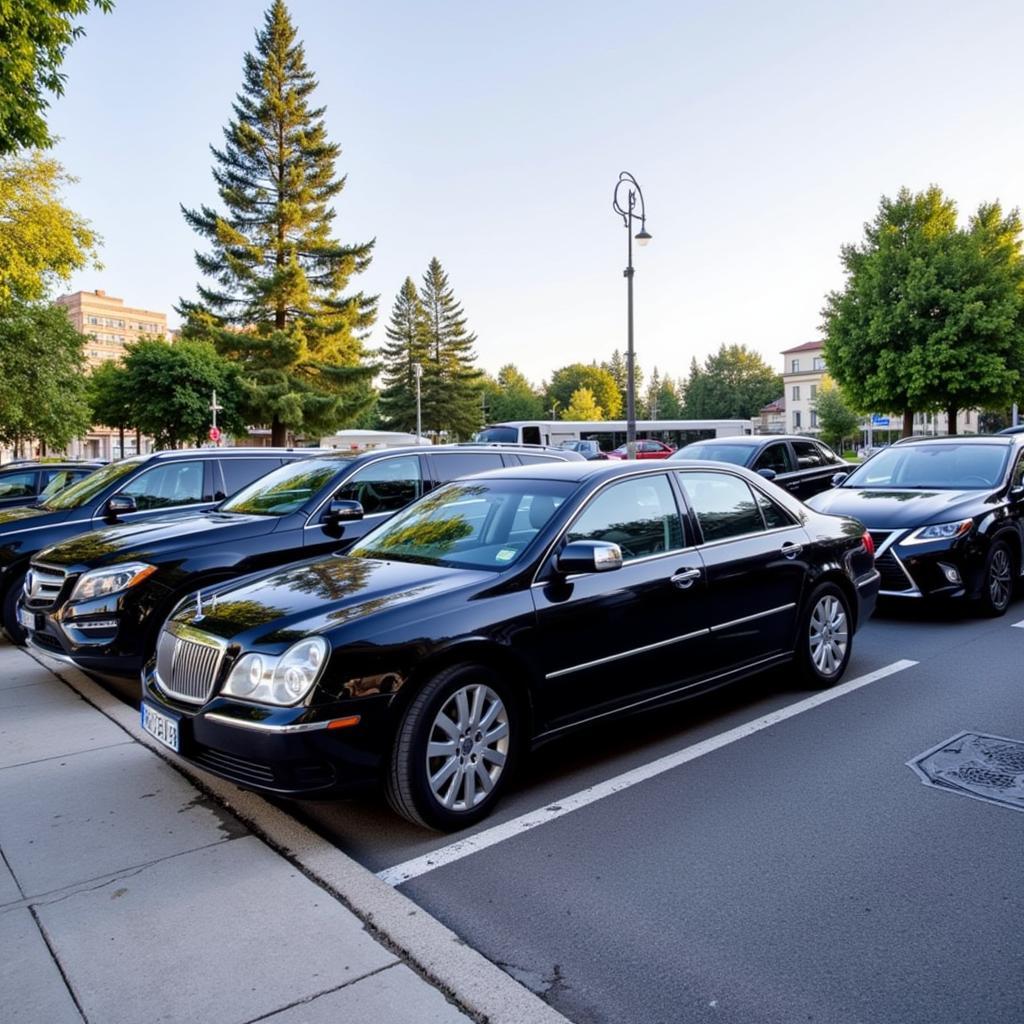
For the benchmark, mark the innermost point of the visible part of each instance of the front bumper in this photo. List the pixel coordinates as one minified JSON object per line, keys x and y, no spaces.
{"x":939,"y":570}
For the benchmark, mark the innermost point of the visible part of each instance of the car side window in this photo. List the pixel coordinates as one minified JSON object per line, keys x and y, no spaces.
{"x":239,"y":473}
{"x":724,"y":505}
{"x":18,"y":485}
{"x":640,"y":515}
{"x":384,"y":486}
{"x":775,"y":516}
{"x":808,"y":455}
{"x":827,"y":454}
{"x":452,"y":465}
{"x":1018,"y":473}
{"x":775,"y":457}
{"x":167,"y":485}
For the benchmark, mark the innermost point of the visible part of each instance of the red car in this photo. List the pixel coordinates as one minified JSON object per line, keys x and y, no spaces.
{"x":645,"y":449}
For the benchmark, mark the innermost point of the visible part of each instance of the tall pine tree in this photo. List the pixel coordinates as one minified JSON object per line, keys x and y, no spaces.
{"x":407,"y":346}
{"x":451,"y":385}
{"x":276,"y":303}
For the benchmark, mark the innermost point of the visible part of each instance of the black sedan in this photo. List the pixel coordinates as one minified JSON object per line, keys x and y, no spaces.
{"x":25,"y":483}
{"x":100,"y":598}
{"x":946,"y":516}
{"x":497,"y":612}
{"x":800,"y":464}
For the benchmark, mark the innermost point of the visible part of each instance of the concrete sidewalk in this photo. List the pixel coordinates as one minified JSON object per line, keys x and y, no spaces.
{"x":127,"y":895}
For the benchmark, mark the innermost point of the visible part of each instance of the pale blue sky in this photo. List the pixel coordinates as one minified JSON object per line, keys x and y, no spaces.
{"x":491,"y":135}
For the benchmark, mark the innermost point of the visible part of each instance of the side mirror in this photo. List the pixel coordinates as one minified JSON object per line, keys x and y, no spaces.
{"x":768,"y":474}
{"x":343,"y":512}
{"x":589,"y":556}
{"x":119,"y":505}
{"x":1017,"y":492}
{"x":838,"y":478}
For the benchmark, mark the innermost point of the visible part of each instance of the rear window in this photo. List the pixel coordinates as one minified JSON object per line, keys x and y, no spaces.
{"x":239,"y":472}
{"x":452,"y":465}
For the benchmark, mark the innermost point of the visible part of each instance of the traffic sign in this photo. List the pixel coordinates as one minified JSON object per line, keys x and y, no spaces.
{"x":879,"y":421}
{"x":214,"y":433}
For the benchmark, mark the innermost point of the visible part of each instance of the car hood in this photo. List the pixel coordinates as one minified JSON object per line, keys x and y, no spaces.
{"x":893,"y":509}
{"x":24,"y":517}
{"x":286,"y":604}
{"x":148,"y":541}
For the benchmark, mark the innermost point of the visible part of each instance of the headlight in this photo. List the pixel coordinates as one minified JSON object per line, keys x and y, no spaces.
{"x":940,"y":531}
{"x":283,"y":680}
{"x":112,"y":580}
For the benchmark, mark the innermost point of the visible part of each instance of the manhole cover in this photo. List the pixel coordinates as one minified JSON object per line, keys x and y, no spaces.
{"x":986,"y":767}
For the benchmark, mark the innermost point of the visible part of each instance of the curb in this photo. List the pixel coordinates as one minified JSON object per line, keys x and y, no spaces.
{"x":466,"y":977}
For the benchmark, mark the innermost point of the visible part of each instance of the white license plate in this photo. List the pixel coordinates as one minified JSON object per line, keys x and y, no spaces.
{"x":160,"y":726}
{"x":26,"y":618}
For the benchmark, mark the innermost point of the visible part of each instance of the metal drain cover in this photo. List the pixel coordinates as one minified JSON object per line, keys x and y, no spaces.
{"x":985,"y":767}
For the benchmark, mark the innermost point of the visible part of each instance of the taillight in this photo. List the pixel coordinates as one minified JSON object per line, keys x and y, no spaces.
{"x":869,"y":544}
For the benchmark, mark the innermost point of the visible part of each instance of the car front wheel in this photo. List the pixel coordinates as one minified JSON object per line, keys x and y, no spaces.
{"x":454,"y":749}
{"x":825,"y":640}
{"x":997,"y":583}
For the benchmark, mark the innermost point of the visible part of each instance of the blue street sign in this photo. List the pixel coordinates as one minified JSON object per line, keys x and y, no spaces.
{"x":879,"y":421}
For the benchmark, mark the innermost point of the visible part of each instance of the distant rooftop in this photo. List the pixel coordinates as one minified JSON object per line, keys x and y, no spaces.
{"x":807,"y":346}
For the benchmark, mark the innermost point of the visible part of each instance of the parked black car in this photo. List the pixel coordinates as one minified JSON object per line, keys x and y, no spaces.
{"x":138,"y":488}
{"x":800,"y":464}
{"x":25,"y":483}
{"x":946,"y":515}
{"x":100,"y":598}
{"x":500,"y":611}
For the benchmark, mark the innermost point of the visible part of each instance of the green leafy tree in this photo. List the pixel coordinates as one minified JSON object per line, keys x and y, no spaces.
{"x":174,"y":385}
{"x":111,"y":398}
{"x":34,"y":39}
{"x":598,"y":381}
{"x":734,"y":383}
{"x":451,"y":385}
{"x":43,"y":394}
{"x":406,"y":347}
{"x":667,"y":403}
{"x":836,"y":420}
{"x":931,"y":316}
{"x":511,"y":397}
{"x":618,"y":367}
{"x":582,"y":406}
{"x":276,"y":302}
{"x":41,"y":240}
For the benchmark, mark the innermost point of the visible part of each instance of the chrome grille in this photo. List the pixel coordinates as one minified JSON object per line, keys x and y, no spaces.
{"x":43,"y":584}
{"x":187,"y":665}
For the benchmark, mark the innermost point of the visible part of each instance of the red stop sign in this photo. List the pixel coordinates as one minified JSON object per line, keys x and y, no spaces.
{"x":214,"y":434}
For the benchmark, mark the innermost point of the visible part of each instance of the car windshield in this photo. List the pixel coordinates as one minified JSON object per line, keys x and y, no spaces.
{"x":89,"y":486}
{"x":286,"y":489}
{"x":468,"y":524}
{"x":737,"y":454}
{"x":949,"y":466}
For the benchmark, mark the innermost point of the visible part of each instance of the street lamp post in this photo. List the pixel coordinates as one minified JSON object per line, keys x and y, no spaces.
{"x":417,"y":369}
{"x":627,"y":186}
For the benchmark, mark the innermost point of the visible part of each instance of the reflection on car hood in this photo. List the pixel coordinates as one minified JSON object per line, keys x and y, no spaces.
{"x":149,"y":540}
{"x":892,"y":508}
{"x":286,"y":604}
{"x":23,"y":517}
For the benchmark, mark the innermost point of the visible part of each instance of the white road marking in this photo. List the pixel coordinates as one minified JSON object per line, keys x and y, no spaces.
{"x":410,"y":869}
{"x":1019,"y":625}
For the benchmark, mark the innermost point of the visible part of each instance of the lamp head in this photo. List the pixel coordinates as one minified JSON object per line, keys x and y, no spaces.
{"x":642,"y":236}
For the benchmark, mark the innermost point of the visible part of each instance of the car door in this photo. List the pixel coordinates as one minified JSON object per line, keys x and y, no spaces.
{"x":753,"y":556}
{"x":616,"y":638}
{"x":813,"y":470}
{"x":779,"y":459}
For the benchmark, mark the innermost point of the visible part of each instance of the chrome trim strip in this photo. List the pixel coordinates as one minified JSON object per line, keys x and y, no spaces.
{"x":241,"y":723}
{"x":900,"y":593}
{"x":894,"y":535}
{"x":64,"y":658}
{"x":868,"y":580}
{"x":4,"y":531}
{"x":626,"y":654}
{"x":757,"y":533}
{"x":751,"y":618}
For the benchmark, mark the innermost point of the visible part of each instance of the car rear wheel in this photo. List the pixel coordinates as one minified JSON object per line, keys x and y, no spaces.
{"x":825,"y":640}
{"x":454,"y":749}
{"x":997,"y":583}
{"x":10,"y":611}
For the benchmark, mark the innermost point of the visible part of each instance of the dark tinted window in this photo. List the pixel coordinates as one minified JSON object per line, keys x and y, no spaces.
{"x":384,"y":486}
{"x":506,"y":435}
{"x":56,"y":480}
{"x":639,"y":515}
{"x":775,"y":457}
{"x":285,"y":489}
{"x":238,"y":473}
{"x":167,"y":485}
{"x":774,"y":515}
{"x":531,"y":460}
{"x":808,"y":455}
{"x":827,"y":454}
{"x":18,"y":485}
{"x":90,"y":486}
{"x":450,"y":465}
{"x":737,"y":454}
{"x":724,"y":505}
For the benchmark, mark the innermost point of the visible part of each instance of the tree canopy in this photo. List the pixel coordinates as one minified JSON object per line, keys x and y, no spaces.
{"x":406,"y":346}
{"x":836,"y":420}
{"x":932,"y":315}
{"x":565,"y":382}
{"x":511,"y":396}
{"x":275,"y":302}
{"x":582,"y":406}
{"x":734,"y":383}
{"x":34,"y":39}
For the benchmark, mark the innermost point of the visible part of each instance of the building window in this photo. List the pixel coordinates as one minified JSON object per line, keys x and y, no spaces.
{"x":819,"y":363}
{"x":814,"y":392}
{"x":814,"y":419}
{"x":796,"y":420}
{"x":794,"y":366}
{"x":796,"y":392}
{"x":94,"y":319}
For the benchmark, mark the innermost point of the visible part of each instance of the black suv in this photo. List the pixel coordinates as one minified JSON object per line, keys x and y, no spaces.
{"x":139,"y":488}
{"x":100,"y":598}
{"x":25,"y":483}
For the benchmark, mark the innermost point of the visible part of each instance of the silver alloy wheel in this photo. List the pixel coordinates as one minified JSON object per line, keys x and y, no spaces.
{"x":467,"y":747}
{"x":829,"y":635}
{"x":1000,"y":572}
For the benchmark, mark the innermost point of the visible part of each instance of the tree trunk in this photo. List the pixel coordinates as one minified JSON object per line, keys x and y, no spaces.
{"x":120,"y":431}
{"x":908,"y":423}
{"x":138,"y":441}
{"x":278,"y":434}
{"x":951,"y":417}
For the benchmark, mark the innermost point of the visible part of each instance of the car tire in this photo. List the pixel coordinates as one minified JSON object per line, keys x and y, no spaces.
{"x":454,"y":749}
{"x":997,"y":580}
{"x":13,"y":630}
{"x":825,"y":637}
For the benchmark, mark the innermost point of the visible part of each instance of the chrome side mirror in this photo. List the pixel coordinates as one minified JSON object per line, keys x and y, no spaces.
{"x":589,"y":556}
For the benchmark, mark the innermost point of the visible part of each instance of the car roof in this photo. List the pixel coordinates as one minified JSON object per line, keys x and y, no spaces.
{"x":750,"y":440}
{"x":1006,"y":440}
{"x":575,"y":472}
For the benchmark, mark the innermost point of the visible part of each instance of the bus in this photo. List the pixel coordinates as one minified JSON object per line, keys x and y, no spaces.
{"x":609,"y":434}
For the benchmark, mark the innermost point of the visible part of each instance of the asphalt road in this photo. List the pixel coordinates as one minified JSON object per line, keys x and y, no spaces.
{"x":802,"y":872}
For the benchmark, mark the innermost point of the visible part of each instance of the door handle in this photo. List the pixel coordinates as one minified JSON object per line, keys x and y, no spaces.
{"x":791,"y":550}
{"x":684,"y":579}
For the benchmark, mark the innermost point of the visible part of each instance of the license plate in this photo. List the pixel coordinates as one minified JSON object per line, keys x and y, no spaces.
{"x":160,"y":726}
{"x":26,"y":619}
